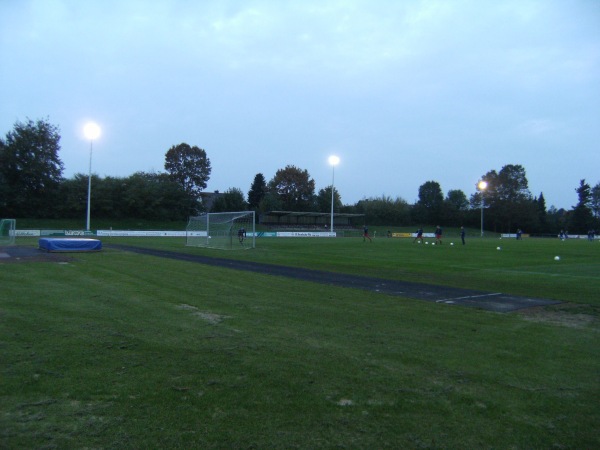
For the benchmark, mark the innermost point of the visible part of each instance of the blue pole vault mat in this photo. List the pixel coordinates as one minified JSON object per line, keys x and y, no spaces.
{"x":70,"y":245}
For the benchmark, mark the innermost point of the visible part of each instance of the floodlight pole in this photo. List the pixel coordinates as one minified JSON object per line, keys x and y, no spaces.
{"x":91,"y":131}
{"x":481,"y":214}
{"x":89,"y":197}
{"x":333,"y":160}
{"x":332,"y":179}
{"x":482,"y":185}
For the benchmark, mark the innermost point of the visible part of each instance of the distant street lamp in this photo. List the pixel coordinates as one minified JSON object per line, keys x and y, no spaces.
{"x":334,"y":161}
{"x":482,"y":185}
{"x":91,"y":131}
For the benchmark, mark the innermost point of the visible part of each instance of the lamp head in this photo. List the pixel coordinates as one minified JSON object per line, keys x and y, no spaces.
{"x":334,"y":160}
{"x":482,"y":185}
{"x":91,"y":131}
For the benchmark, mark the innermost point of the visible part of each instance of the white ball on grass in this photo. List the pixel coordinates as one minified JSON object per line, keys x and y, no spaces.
{"x":498,"y":248}
{"x":451,"y":243}
{"x":557,"y":258}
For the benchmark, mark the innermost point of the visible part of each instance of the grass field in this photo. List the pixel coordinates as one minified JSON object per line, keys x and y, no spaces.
{"x":120,"y":350}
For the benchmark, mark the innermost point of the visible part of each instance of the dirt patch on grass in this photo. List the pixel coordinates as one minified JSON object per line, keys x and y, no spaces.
{"x":570,"y":315}
{"x":207,"y":316}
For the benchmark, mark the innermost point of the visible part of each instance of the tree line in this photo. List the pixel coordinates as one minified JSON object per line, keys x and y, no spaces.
{"x":32,"y":186}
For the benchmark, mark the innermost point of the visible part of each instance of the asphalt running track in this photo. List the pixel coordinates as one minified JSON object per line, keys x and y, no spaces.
{"x":491,"y":301}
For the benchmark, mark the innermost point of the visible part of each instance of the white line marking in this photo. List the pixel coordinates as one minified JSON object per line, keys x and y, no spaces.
{"x":468,"y":297}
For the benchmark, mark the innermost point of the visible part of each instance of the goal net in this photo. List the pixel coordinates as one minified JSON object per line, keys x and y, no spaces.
{"x":7,"y":231}
{"x":226,"y":230}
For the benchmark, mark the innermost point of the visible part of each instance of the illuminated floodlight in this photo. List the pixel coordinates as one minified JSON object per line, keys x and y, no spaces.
{"x":91,"y":131}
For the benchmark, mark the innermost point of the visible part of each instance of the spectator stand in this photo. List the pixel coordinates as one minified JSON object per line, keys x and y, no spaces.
{"x":311,"y":221}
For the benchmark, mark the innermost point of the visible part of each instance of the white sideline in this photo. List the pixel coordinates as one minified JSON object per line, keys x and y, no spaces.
{"x":446,"y":300}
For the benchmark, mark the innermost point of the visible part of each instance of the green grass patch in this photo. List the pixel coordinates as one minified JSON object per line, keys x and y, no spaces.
{"x":524,"y":267}
{"x":120,"y":350}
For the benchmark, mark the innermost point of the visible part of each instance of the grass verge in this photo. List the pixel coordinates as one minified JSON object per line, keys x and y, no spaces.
{"x":122,"y":350}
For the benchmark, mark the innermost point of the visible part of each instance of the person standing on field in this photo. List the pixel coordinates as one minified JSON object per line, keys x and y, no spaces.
{"x":419,"y":236}
{"x":462,"y":235}
{"x":438,"y":235}
{"x":366,"y":234}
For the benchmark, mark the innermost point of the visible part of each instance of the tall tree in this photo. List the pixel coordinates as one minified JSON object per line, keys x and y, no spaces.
{"x":188,"y":166}
{"x":139,"y":196}
{"x":430,"y":195}
{"x":582,"y":218}
{"x":294,"y":187}
{"x":257,"y":191}
{"x":384,"y":210}
{"x":323,"y":201}
{"x":428,"y":208}
{"x":584,"y":194}
{"x":557,"y":219}
{"x":231,"y":200}
{"x":507,"y":199}
{"x":457,"y":199}
{"x":542,"y":213}
{"x":271,"y":202}
{"x":73,"y":195}
{"x":595,"y":201}
{"x":153,"y":196}
{"x":455,"y":207}
{"x":30,"y":168}
{"x":4,"y":188}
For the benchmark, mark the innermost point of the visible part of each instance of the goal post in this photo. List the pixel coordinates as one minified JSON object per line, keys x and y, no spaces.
{"x":7,"y":231}
{"x":225,"y":230}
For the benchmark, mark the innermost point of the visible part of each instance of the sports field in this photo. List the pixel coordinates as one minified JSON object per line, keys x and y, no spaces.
{"x":118,"y":349}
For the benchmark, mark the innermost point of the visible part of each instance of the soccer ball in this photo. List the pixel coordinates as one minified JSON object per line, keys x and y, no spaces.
{"x":498,"y":248}
{"x":451,"y":243}
{"x":427,"y":243}
{"x":557,"y":258}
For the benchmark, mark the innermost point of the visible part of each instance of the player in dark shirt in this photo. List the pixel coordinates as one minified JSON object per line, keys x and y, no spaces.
{"x":438,"y":235}
{"x":419,"y":236}
{"x":366,"y":234}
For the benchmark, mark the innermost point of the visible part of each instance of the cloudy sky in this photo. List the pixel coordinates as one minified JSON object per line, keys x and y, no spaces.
{"x":403,"y":91}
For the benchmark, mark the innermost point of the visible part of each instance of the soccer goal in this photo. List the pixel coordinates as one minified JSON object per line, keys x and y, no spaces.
{"x":7,"y":231}
{"x":226,"y":230}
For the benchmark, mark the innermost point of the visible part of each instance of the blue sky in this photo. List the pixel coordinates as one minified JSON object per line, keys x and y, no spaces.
{"x":404,"y":92}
